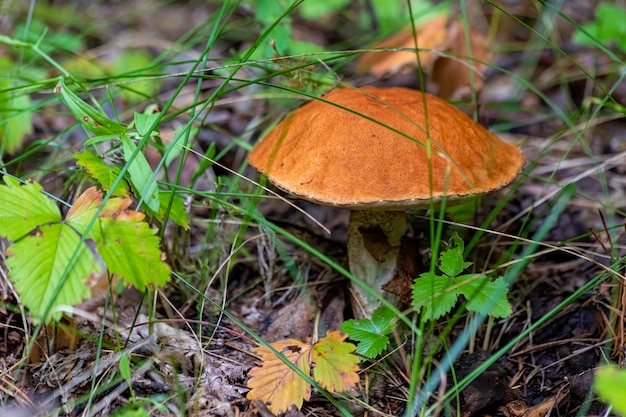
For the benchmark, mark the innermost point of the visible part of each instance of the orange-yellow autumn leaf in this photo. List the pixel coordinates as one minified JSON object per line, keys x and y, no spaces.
{"x":275,"y":383}
{"x":335,"y":366}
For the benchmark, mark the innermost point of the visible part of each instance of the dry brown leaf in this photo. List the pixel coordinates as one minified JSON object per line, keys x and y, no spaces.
{"x":431,"y":35}
{"x":450,"y":73}
{"x":275,"y":383}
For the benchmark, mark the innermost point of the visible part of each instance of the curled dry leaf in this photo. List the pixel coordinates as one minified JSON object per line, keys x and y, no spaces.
{"x":451,"y":72}
{"x":430,"y":36}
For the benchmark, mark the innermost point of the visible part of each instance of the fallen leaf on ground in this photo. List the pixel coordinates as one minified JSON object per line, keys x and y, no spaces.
{"x":335,"y":365}
{"x":430,"y":36}
{"x":276,"y":383}
{"x":443,"y":55}
{"x":282,"y":388}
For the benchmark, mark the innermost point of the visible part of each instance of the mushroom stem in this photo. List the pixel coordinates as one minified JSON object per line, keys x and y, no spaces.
{"x":373,"y":246}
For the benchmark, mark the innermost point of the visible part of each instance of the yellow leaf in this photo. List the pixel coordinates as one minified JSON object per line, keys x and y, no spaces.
{"x":86,"y":205}
{"x":335,"y":367}
{"x":275,"y":383}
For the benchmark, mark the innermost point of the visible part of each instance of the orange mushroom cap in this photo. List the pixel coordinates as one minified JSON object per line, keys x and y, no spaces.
{"x":369,"y":150}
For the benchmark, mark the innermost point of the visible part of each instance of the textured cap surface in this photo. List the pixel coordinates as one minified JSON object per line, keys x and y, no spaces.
{"x":330,"y":155}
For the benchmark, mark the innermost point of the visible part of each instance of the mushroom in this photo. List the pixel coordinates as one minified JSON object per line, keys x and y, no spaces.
{"x":379,"y":152}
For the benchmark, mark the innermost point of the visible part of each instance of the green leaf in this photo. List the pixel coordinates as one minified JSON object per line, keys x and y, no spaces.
{"x":609,"y":27}
{"x":371,"y":334}
{"x":90,"y":118}
{"x":102,"y":172}
{"x":36,"y":264}
{"x":23,"y":208}
{"x":432,"y":295}
{"x":125,"y":367}
{"x":609,"y":383}
{"x":126,"y":243}
{"x":17,"y":119}
{"x":451,"y":262}
{"x":178,"y":212}
{"x":141,"y":175}
{"x":335,"y":366}
{"x":485,"y":296}
{"x":136,"y":62}
{"x":311,"y":10}
{"x":130,"y":249}
{"x":144,"y":121}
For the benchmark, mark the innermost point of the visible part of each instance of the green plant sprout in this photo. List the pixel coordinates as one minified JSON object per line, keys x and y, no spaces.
{"x":371,"y":333}
{"x":608,"y":28}
{"x":140,"y":174}
{"x":435,"y":294}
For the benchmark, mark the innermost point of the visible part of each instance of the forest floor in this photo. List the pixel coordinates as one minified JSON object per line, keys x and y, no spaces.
{"x":559,"y":101}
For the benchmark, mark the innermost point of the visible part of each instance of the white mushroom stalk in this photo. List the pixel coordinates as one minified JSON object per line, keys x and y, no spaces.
{"x":374,"y":239}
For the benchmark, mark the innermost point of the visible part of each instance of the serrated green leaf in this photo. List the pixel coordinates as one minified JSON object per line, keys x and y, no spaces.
{"x":36,"y":264}
{"x":432,"y":294}
{"x":130,"y":249}
{"x":485,"y":296}
{"x":23,"y":208}
{"x":102,"y":172}
{"x":126,"y":243}
{"x":140,"y":175}
{"x":90,"y":118}
{"x":451,"y":261}
{"x":371,"y":334}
